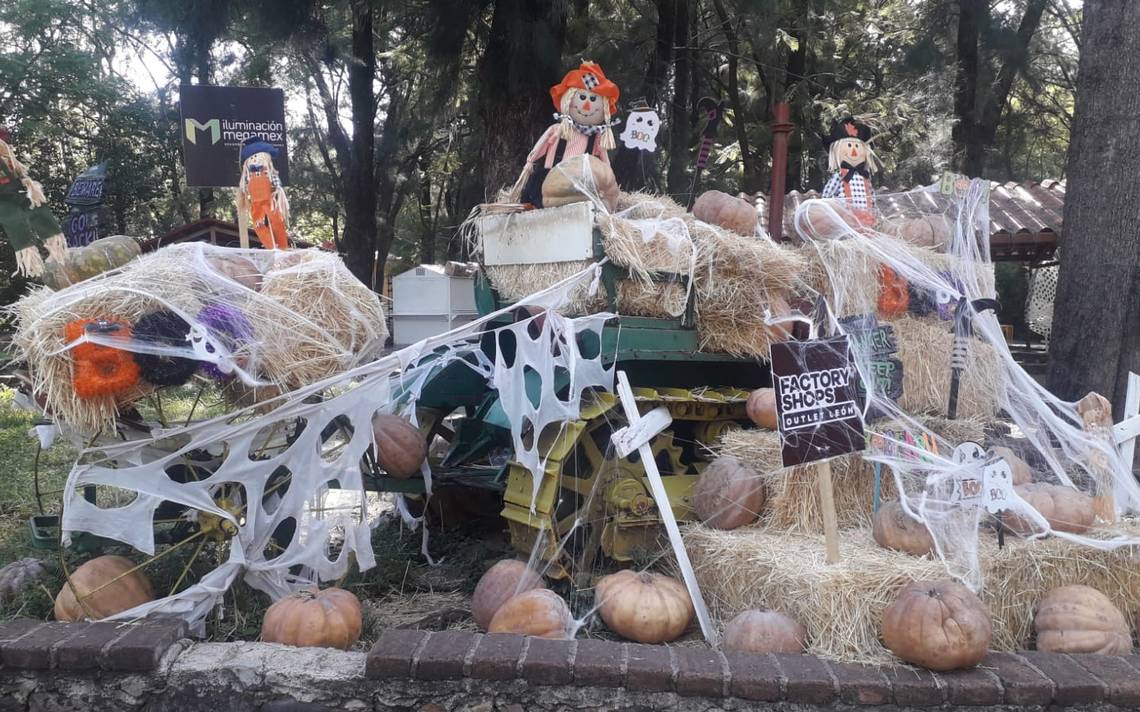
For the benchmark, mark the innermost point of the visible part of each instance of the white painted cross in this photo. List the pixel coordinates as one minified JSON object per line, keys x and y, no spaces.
{"x":1126,"y":431}
{"x":636,"y":436}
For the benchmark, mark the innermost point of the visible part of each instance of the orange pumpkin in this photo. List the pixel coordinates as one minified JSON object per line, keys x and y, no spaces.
{"x":331,"y":618}
{"x":568,"y":182}
{"x":1066,"y":509}
{"x":940,"y":625}
{"x":893,"y":528}
{"x":642,"y":606}
{"x":1081,"y":619}
{"x":539,"y":612}
{"x":727,"y":211}
{"x":238,"y":269}
{"x":400,"y":449}
{"x":894,"y":297}
{"x":758,"y":631}
{"x":761,"y":408}
{"x":105,"y":585}
{"x":502,"y":582}
{"x":728,"y":494}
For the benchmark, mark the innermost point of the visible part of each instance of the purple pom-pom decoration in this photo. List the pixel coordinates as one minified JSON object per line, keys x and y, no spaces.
{"x":230,"y":327}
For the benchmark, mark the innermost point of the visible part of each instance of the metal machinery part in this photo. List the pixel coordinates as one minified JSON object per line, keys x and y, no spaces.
{"x":589,"y":497}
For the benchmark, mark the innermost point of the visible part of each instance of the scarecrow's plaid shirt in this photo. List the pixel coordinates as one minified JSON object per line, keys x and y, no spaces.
{"x":857,"y":191}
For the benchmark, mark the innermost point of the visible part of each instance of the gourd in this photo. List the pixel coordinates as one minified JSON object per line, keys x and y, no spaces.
{"x":893,"y":528}
{"x":761,"y":408}
{"x":1066,"y":509}
{"x":400,"y":449}
{"x":727,"y":211}
{"x":757,"y":631}
{"x":643,"y":606}
{"x":502,"y":582}
{"x":1081,"y":619}
{"x":565,"y":182}
{"x":106,"y":585}
{"x":82,"y":263}
{"x":331,"y":618}
{"x":728,"y":494}
{"x":940,"y":625}
{"x":826,"y":219}
{"x":238,"y":269}
{"x":1022,"y":472}
{"x":539,"y":612}
{"x":930,"y":231}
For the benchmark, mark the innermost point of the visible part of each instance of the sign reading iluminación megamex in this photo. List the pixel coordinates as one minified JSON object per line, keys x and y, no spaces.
{"x":816,"y":400}
{"x":215,"y":122}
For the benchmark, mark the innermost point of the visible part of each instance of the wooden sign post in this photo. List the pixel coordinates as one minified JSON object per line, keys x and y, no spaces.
{"x":818,"y":414}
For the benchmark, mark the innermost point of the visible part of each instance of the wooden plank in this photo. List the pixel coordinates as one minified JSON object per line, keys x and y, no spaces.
{"x":827,"y":507}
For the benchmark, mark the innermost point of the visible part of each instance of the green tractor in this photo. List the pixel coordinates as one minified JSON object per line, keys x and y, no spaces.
{"x":589,"y":498}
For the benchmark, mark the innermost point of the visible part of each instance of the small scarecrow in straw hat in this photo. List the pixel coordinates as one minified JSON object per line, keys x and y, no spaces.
{"x":25,"y":217}
{"x":586,"y":102}
{"x":261,"y":197}
{"x":851,"y":161}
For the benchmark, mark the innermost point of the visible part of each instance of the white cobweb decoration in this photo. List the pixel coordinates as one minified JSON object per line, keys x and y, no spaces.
{"x":230,"y":449}
{"x":934,"y":486}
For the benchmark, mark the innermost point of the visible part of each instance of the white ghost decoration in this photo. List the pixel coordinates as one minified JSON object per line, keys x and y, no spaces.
{"x":641,"y":127}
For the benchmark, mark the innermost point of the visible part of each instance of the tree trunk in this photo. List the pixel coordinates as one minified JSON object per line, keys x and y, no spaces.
{"x":523,"y":59}
{"x":966,"y":144}
{"x":359,"y":183}
{"x":634,"y":168}
{"x":750,"y":180}
{"x":1096,"y":339}
{"x":427,"y":223}
{"x":680,"y":157}
{"x":205,"y":195}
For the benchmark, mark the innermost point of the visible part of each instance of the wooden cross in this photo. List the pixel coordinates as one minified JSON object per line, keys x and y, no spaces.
{"x":1126,"y":431}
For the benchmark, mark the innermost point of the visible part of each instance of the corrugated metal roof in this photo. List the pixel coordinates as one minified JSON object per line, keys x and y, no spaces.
{"x":1025,"y":218}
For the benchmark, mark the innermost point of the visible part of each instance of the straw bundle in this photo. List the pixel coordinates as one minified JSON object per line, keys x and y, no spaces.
{"x":653,"y":299}
{"x":314,"y":319}
{"x":848,"y":274}
{"x":793,"y":493}
{"x":924,"y":350}
{"x":146,"y":285}
{"x":841,"y":605}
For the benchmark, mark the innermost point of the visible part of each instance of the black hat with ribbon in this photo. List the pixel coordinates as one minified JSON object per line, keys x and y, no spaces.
{"x":847,"y":127}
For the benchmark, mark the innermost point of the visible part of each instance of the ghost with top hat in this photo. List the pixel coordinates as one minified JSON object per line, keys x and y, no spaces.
{"x":585,"y":102}
{"x":851,"y":162}
{"x":25,"y":218}
{"x":261,"y":197}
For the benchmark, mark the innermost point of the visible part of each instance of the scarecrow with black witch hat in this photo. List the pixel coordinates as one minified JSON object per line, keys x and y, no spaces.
{"x":25,"y":217}
{"x":851,"y":160}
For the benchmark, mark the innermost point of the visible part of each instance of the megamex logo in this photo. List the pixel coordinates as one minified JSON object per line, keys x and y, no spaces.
{"x":214,"y":126}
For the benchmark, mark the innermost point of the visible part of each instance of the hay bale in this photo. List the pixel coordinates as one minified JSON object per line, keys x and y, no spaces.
{"x":652,"y":299}
{"x":848,"y":274}
{"x":515,"y":282}
{"x":841,"y":605}
{"x":314,"y":319}
{"x":793,"y":493}
{"x":150,"y":283}
{"x":924,"y":349}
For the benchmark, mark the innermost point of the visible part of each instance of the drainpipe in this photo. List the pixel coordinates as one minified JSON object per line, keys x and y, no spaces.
{"x":781,"y":126}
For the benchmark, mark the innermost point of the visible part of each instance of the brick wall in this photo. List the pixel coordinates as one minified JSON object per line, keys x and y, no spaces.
{"x":152,"y":666}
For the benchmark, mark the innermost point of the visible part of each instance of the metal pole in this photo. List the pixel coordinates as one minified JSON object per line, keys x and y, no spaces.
{"x":781,"y":126}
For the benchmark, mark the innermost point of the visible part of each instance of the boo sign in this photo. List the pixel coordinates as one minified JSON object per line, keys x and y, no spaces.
{"x":817,"y":408}
{"x":217,"y":120}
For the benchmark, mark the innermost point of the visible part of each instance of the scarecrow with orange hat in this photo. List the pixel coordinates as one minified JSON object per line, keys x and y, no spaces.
{"x":851,"y":161}
{"x":261,"y":197}
{"x":25,"y":217}
{"x":586,"y":102}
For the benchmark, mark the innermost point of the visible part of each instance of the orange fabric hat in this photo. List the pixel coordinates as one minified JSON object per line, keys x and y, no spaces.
{"x":590,"y":77}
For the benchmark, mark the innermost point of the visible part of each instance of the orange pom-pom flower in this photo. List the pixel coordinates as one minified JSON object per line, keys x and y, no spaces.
{"x":894,"y":297}
{"x":100,"y":370}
